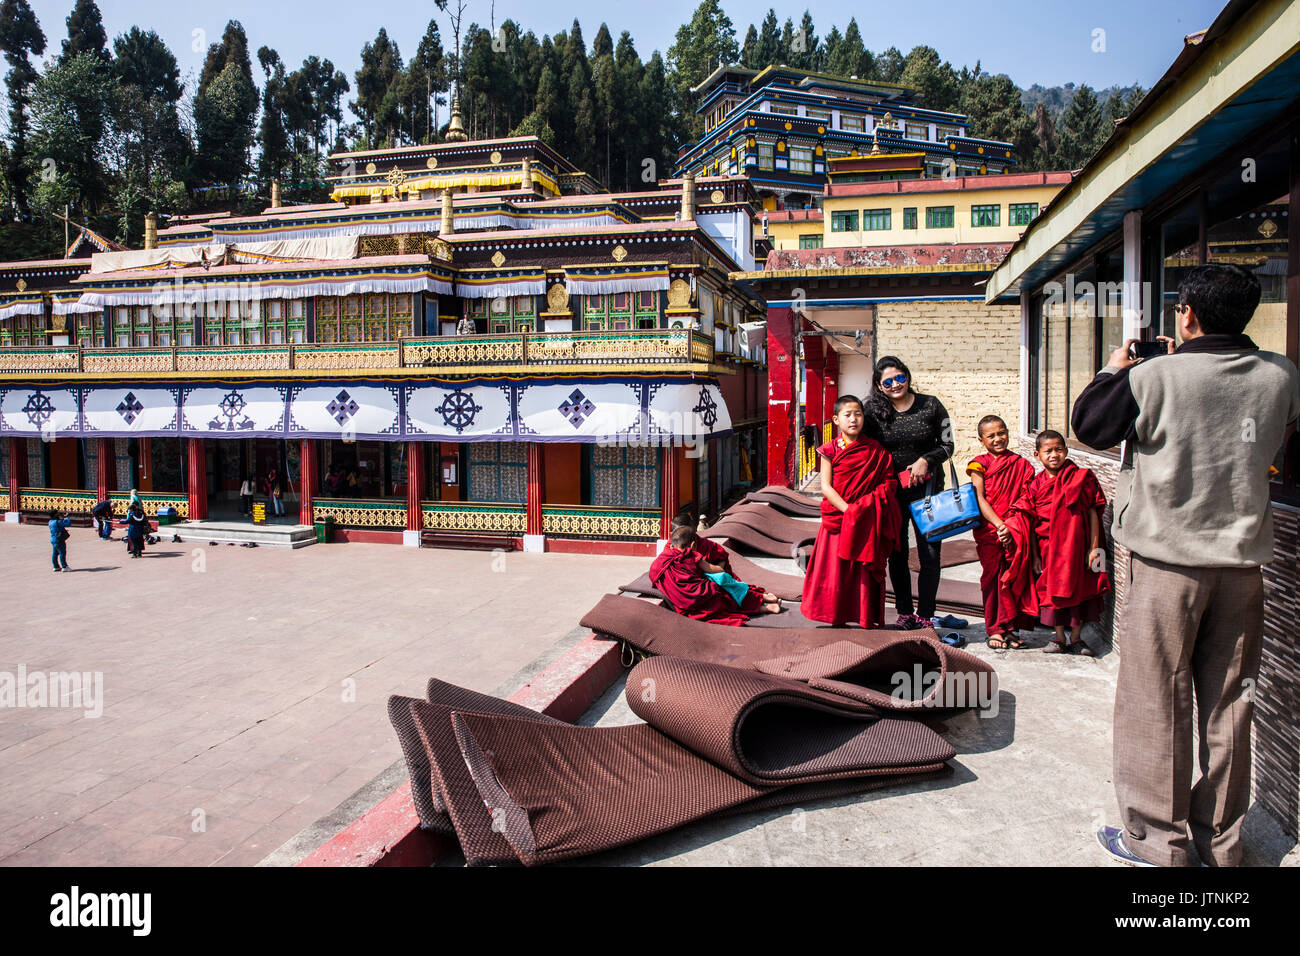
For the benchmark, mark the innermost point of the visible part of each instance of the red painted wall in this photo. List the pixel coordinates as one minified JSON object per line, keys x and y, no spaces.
{"x":563,"y":466}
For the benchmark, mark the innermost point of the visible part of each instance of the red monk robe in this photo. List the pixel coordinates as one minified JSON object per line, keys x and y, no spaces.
{"x":1005,"y":605}
{"x":677,"y":574}
{"x":845,"y":580}
{"x":1068,"y":590}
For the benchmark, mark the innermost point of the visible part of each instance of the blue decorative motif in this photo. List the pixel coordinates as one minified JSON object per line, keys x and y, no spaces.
{"x":343,"y":407}
{"x":232,"y":407}
{"x":129,"y":408}
{"x":707,"y":409}
{"x":39,"y":409}
{"x":458,"y":410}
{"x":577,"y":408}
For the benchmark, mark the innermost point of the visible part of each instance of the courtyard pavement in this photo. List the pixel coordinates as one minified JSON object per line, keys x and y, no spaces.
{"x":244,"y":689}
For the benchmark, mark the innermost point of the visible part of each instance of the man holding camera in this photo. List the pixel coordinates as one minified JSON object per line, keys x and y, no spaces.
{"x":1200,"y":427}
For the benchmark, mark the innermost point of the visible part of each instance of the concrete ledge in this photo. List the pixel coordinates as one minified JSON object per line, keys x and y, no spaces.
{"x":388,"y":834}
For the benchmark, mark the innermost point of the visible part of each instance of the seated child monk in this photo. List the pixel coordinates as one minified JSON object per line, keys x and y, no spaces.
{"x":1063,"y":505}
{"x":707,"y":548}
{"x":845,"y":581}
{"x":999,"y":478}
{"x":704,"y":591}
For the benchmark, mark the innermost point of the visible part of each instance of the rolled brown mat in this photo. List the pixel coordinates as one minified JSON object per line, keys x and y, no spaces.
{"x":806,"y":508}
{"x":737,"y":533}
{"x":908,"y":674}
{"x":767,"y":520}
{"x":558,"y":792}
{"x":788,"y":587}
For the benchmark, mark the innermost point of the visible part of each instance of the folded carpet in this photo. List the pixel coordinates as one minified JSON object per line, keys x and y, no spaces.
{"x":716,"y":739}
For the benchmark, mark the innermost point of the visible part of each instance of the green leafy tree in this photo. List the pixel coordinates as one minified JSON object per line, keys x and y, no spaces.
{"x":851,"y":57}
{"x":993,"y":104}
{"x":805,"y":49}
{"x":225,"y":109}
{"x":934,"y":79}
{"x":1046,"y":153}
{"x":376,"y":105}
{"x":767,"y":52}
{"x":701,"y":45}
{"x":749,"y":49}
{"x":70,"y":104}
{"x":890,"y":65}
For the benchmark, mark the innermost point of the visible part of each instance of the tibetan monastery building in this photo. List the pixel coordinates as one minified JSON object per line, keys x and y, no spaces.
{"x":472,"y":337}
{"x":782,"y":128}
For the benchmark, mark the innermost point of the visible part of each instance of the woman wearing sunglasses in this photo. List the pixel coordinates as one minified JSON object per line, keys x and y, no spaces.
{"x":917,"y":431}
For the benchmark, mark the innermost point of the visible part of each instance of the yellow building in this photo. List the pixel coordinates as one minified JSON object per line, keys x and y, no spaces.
{"x":959,"y":210}
{"x":792,"y":228}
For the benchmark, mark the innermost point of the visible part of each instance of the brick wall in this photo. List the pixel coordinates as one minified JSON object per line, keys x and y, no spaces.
{"x":966,"y":353}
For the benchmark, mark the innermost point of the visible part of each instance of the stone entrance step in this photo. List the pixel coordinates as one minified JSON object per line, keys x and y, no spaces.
{"x":240,"y":532}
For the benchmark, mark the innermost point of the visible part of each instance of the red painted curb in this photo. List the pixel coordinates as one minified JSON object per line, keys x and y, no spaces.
{"x":361,"y":535}
{"x":388,"y":834}
{"x":631,"y":549}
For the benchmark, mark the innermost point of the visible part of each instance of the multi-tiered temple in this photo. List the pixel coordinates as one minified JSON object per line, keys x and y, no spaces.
{"x":472,"y":337}
{"x":780,"y":127}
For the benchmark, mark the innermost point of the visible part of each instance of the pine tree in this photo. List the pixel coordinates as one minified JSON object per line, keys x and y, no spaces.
{"x":700,"y":47}
{"x":805,"y":53}
{"x":86,"y":32}
{"x":768,"y":50}
{"x":20,"y":37}
{"x":1046,"y":154}
{"x":749,"y":49}
{"x":934,"y":79}
{"x":890,"y":65}
{"x":993,"y":104}
{"x":272,"y":137}
{"x":375,"y":106}
{"x":1083,"y":129}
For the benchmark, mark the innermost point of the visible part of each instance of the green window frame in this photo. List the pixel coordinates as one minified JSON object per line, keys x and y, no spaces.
{"x":844,"y":221}
{"x":1021,"y":213}
{"x":811,"y":241}
{"x":939,"y":217}
{"x":801,"y":159}
{"x":876,"y":220}
{"x":909,"y":217}
{"x":989,"y":214}
{"x":766,"y":156}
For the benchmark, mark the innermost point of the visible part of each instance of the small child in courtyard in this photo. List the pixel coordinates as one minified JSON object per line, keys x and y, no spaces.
{"x":1063,"y":504}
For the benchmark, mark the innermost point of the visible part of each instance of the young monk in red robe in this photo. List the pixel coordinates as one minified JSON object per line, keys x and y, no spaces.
{"x":707,"y":548}
{"x":1063,"y":505}
{"x":860,"y":525}
{"x":999,"y":477}
{"x":684,"y":578}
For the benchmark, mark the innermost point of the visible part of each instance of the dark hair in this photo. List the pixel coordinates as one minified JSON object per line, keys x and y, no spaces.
{"x":848,"y":400}
{"x":54,"y":514}
{"x":1047,"y":435}
{"x":881,"y":407}
{"x":987,"y":420}
{"x":682,"y":537}
{"x":1223,"y":296}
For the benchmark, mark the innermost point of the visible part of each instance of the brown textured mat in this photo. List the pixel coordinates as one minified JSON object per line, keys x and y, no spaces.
{"x":658,"y":630}
{"x":907,"y":674}
{"x":962,"y":597}
{"x":735,"y":533}
{"x":717,"y":738}
{"x":955,"y":551}
{"x":768,"y":521}
{"x":801,"y":507}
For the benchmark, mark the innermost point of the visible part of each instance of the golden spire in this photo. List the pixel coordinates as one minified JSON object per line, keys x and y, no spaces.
{"x":456,"y":128}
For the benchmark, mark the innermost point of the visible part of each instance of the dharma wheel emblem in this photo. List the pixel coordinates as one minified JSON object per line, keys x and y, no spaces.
{"x":395,"y":178}
{"x":619,"y":253}
{"x":458,"y":410}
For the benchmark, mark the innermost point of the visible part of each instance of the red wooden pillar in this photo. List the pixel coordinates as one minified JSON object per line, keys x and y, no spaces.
{"x":536,"y":488}
{"x":782,"y":444}
{"x":307,"y":481}
{"x":815,"y":362}
{"x":669,"y":492}
{"x":414,"y":485}
{"x":196,"y":470}
{"x":105,"y":468}
{"x":17,"y":472}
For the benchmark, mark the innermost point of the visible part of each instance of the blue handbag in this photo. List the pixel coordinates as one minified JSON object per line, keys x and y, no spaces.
{"x":947,"y":513}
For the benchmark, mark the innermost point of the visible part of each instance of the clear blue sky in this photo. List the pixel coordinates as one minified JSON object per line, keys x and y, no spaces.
{"x":1033,"y":41}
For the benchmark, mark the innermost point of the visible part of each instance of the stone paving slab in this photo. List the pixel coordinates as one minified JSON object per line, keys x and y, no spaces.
{"x":244,"y":689}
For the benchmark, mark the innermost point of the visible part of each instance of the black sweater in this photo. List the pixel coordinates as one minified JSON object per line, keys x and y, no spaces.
{"x":923,"y":431}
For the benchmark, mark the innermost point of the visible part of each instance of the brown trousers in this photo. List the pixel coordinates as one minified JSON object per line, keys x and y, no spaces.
{"x":1186,"y":631}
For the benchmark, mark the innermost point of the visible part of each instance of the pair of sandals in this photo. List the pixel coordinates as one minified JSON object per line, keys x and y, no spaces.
{"x":1077,"y":648}
{"x":1006,"y":642}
